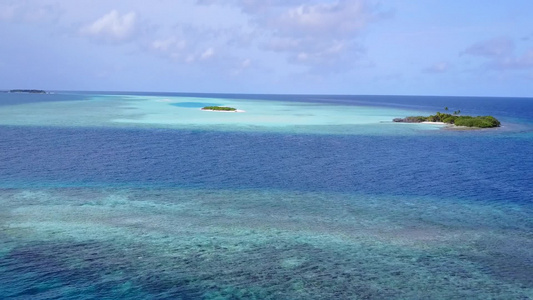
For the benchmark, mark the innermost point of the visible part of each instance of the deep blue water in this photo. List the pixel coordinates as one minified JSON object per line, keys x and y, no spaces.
{"x":474,"y":166}
{"x":304,"y":186}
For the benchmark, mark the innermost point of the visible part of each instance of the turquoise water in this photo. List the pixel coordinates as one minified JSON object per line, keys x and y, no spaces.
{"x":185,"y":113}
{"x":144,"y":196}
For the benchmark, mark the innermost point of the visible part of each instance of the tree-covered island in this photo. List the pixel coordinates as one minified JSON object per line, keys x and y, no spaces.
{"x":219,"y":108}
{"x":454,"y":119}
{"x":27,"y":91}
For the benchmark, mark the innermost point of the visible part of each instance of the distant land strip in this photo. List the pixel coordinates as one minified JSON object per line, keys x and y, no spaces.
{"x":27,"y":91}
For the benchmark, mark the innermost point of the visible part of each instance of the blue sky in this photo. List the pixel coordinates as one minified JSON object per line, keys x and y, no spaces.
{"x":405,"y":47}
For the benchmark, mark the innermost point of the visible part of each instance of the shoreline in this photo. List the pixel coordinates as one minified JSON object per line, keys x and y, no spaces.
{"x":452,"y":126}
{"x":436,"y":123}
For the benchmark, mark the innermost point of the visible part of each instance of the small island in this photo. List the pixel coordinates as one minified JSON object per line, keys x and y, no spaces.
{"x":28,"y":91}
{"x":219,"y":108}
{"x":453,"y":119}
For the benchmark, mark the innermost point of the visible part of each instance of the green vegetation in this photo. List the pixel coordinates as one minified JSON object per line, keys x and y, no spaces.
{"x":221,"y":108}
{"x":481,"y":122}
{"x":468,"y":121}
{"x":416,"y":119}
{"x":28,"y":91}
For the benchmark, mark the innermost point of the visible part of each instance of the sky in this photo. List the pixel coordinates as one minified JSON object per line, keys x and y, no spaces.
{"x":356,"y":47}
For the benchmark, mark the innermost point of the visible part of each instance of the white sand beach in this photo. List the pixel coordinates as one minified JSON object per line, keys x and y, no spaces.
{"x":435,"y":123}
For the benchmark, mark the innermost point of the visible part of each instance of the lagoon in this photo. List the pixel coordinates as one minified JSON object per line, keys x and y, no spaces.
{"x":301,"y":197}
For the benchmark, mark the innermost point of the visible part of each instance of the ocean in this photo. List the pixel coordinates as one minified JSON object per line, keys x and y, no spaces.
{"x":144,"y":196}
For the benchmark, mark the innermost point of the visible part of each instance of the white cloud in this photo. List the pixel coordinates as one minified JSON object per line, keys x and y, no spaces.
{"x":7,"y":12}
{"x":187,"y":43}
{"x":336,"y":19}
{"x":281,"y":44}
{"x":171,"y":47}
{"x":24,"y":11}
{"x":440,"y":67}
{"x":524,"y":61}
{"x":321,"y":35}
{"x":181,"y":49}
{"x":335,"y":55}
{"x":500,"y":54}
{"x":244,"y":65}
{"x":112,"y":27}
{"x":207,"y":54}
{"x":495,"y":47}
{"x":263,"y":6}
{"x":168,"y":44}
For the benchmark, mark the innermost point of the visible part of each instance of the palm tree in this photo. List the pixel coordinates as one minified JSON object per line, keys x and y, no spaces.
{"x":439,"y":116}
